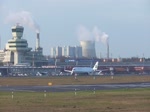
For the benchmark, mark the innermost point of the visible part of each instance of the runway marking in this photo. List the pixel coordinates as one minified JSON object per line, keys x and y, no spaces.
{"x":21,"y":90}
{"x":64,"y":88}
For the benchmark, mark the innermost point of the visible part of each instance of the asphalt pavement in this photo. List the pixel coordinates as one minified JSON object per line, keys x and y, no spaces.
{"x":67,"y":88}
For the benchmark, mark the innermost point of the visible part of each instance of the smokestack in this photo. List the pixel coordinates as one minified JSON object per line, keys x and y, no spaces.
{"x":38,"y":41}
{"x":107,"y":49}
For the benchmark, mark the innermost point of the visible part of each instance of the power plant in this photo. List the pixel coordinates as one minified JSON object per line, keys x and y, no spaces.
{"x":85,"y":50}
{"x":66,"y":51}
{"x":88,"y":49}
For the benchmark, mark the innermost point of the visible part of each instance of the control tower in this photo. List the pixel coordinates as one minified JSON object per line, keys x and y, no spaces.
{"x":18,"y":45}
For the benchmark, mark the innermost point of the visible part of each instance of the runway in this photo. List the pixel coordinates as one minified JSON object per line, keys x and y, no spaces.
{"x":67,"y":88}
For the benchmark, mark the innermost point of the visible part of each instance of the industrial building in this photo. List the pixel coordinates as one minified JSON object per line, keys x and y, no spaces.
{"x":56,"y":51}
{"x":66,"y":51}
{"x":78,"y":51}
{"x":88,"y":49}
{"x":17,"y":51}
{"x":85,"y":50}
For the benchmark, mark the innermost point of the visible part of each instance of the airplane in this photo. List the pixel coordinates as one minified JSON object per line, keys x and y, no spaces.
{"x":41,"y":73}
{"x":84,"y":70}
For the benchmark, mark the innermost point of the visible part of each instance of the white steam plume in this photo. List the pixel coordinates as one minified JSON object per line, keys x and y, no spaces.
{"x":95,"y":35}
{"x":83,"y":33}
{"x":100,"y":36}
{"x":104,"y":38}
{"x":24,"y":18}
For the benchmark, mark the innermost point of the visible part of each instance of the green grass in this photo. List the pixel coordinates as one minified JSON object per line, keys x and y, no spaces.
{"x":122,"y":100}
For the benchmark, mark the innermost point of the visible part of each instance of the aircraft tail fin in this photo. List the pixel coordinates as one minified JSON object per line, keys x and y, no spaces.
{"x":95,"y":66}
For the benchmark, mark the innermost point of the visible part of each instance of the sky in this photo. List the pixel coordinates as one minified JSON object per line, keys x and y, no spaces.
{"x":124,"y":24}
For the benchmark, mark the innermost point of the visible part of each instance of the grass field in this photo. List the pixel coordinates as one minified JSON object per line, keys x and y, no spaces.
{"x":124,"y":100}
{"x":121,"y":100}
{"x":61,"y":80}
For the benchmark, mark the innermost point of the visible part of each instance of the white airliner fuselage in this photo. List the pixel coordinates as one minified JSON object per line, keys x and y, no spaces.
{"x":83,"y":70}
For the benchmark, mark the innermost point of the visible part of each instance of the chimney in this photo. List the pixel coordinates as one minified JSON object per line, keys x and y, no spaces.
{"x":107,"y":49}
{"x":38,"y":41}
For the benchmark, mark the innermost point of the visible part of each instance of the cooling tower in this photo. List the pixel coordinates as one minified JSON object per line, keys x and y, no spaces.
{"x":88,"y":49}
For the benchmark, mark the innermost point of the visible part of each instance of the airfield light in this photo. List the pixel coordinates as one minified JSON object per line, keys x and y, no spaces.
{"x":75,"y":93}
{"x":12,"y":95}
{"x":45,"y":93}
{"x":94,"y":91}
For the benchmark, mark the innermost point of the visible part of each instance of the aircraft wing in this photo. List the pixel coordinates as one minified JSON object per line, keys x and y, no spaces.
{"x":68,"y":71}
{"x":100,"y":71}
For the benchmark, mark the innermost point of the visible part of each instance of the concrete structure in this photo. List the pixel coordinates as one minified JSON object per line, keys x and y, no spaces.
{"x":17,"y":45}
{"x":56,"y":51}
{"x":78,"y":51}
{"x":68,"y":51}
{"x":17,"y":52}
{"x":88,"y":49}
{"x":38,"y":48}
{"x":2,"y":55}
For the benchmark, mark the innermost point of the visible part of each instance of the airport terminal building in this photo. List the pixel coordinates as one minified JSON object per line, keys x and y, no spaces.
{"x":17,"y":51}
